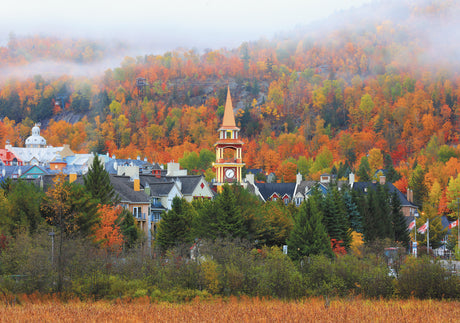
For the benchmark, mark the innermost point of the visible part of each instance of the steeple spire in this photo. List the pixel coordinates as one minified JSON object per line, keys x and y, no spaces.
{"x":229,"y":117}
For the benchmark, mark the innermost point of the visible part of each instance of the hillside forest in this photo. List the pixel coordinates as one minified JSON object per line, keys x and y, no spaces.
{"x":365,"y":95}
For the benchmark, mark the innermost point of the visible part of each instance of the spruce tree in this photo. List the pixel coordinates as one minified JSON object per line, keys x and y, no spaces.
{"x":364,"y":170}
{"x":308,"y":235}
{"x":391,"y":174}
{"x":97,"y":182}
{"x":354,"y":216}
{"x":401,"y":232}
{"x":384,"y":217}
{"x":230,"y":221}
{"x":335,"y":217}
{"x":129,"y":229}
{"x":174,"y":228}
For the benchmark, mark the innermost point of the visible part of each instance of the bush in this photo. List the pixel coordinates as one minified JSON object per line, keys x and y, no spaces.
{"x":424,"y":277}
{"x":277,"y":275}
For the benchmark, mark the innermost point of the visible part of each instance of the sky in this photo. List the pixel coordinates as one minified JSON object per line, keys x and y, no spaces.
{"x":158,"y":26}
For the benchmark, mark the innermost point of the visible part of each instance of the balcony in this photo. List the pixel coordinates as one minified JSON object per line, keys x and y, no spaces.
{"x":229,"y":161}
{"x":155,"y":217}
{"x":140,"y":216}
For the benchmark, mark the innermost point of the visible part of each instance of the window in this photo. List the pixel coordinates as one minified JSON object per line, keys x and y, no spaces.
{"x":137,"y":211}
{"x":298,"y":201}
{"x":229,"y":135}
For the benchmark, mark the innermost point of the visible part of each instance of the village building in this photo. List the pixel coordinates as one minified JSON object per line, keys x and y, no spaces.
{"x":35,"y":152}
{"x":229,"y":159}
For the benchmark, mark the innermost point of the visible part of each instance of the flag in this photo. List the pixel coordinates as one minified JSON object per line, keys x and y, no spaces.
{"x":411,"y":225}
{"x":453,"y":224}
{"x":423,"y":228}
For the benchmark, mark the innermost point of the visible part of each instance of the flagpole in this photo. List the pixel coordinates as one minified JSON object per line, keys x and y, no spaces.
{"x":428,"y":237}
{"x":458,"y":224}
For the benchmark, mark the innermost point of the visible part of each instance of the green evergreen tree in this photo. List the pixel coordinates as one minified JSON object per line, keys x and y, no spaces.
{"x":354,"y":216}
{"x":401,"y":232}
{"x":174,"y":228}
{"x":335,"y":217}
{"x":131,"y":232}
{"x":97,"y":183}
{"x":230,"y":222}
{"x":308,"y":236}
{"x":364,"y":170}
{"x":391,"y":174}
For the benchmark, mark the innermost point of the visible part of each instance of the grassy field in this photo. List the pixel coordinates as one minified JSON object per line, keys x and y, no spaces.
{"x":233,"y":310}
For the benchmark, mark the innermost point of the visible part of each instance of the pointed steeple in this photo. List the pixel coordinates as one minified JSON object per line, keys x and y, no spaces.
{"x":229,"y":117}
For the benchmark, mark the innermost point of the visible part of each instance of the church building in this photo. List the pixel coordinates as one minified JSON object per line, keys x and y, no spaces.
{"x":229,"y":159}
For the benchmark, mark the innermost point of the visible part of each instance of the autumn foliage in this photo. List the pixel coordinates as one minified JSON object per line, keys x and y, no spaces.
{"x":308,"y":103}
{"x":107,"y":232}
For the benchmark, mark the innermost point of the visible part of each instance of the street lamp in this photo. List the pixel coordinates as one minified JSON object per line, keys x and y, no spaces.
{"x":416,"y":215}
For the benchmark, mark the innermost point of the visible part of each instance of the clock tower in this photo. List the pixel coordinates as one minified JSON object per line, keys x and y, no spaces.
{"x":229,"y":159}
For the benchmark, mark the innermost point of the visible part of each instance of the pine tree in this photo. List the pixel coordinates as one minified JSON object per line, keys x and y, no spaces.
{"x":364,"y":170}
{"x":383,"y":214}
{"x":230,"y":222}
{"x":174,"y":228}
{"x":128,"y":227}
{"x":391,"y":174}
{"x":308,"y":235}
{"x":354,"y":216}
{"x":97,"y":182}
{"x":401,"y":232}
{"x":335,"y":217}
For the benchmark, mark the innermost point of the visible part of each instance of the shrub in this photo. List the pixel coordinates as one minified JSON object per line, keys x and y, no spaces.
{"x":424,"y":277}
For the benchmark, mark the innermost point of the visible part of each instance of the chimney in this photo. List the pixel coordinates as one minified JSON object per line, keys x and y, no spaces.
{"x":179,"y":184}
{"x":408,"y":194}
{"x":382,"y":180}
{"x":138,"y":158}
{"x":41,"y":183}
{"x":3,"y":172}
{"x":411,"y":196}
{"x":298,"y":178}
{"x":19,"y":172}
{"x":250,"y":178}
{"x":147,"y":189}
{"x":72,"y":177}
{"x":137,"y":183}
{"x":351,"y":179}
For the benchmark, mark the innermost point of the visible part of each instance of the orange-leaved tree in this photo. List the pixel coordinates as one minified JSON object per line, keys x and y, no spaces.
{"x":107,"y":232}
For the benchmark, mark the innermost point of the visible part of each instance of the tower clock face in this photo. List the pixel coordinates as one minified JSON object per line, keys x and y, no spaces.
{"x":229,"y":173}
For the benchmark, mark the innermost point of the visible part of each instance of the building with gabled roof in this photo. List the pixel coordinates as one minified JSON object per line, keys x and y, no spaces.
{"x":36,"y":152}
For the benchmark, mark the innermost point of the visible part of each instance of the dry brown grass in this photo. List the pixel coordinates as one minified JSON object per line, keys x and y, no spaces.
{"x":233,"y":310}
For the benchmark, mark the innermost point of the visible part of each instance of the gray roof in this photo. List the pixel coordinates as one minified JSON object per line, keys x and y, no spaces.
{"x":305,"y":186}
{"x":124,"y":188}
{"x":267,"y":189}
{"x":161,"y":189}
{"x":189,"y":182}
{"x":109,"y":165}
